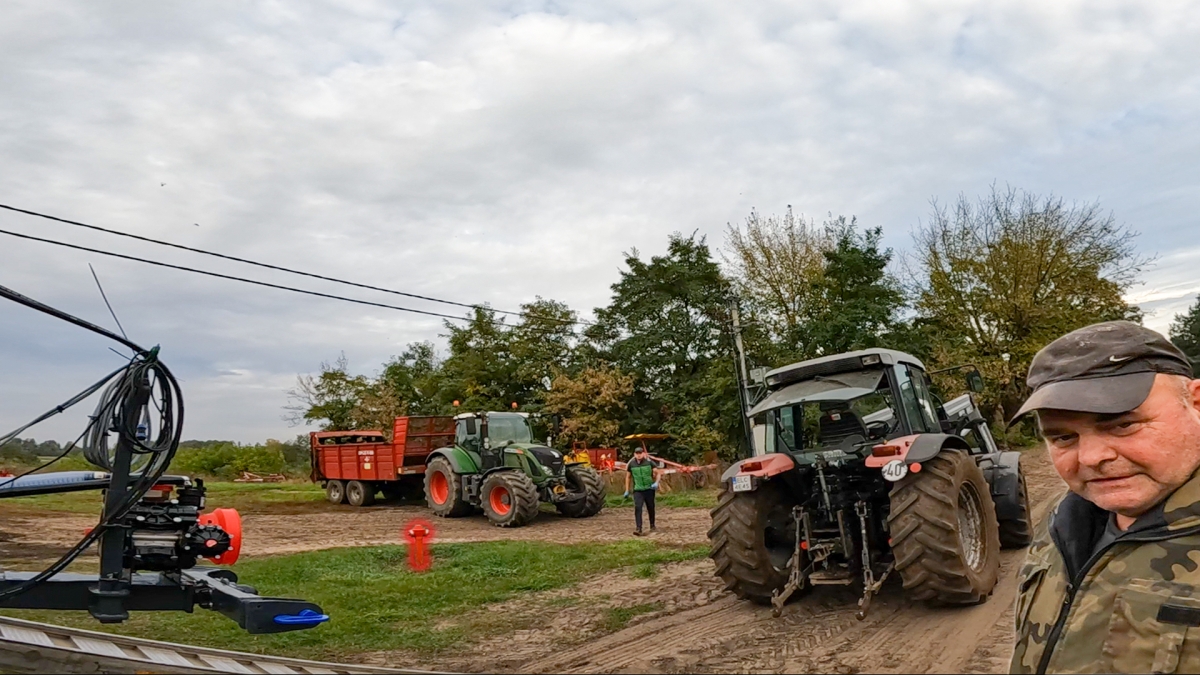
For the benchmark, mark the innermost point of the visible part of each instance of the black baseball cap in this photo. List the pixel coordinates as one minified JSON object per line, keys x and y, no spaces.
{"x":1104,"y":368}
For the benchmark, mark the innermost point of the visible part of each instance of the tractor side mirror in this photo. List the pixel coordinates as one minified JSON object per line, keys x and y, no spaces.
{"x":975,"y":381}
{"x":556,"y":424}
{"x":472,"y":427}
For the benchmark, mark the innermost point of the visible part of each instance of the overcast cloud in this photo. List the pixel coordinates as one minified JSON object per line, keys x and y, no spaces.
{"x":493,"y":152}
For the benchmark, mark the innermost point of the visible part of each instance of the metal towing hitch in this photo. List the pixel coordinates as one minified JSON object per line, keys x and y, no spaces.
{"x":871,"y":585}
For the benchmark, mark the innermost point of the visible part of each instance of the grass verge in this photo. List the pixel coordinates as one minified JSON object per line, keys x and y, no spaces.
{"x":706,"y":498}
{"x":377,"y":604}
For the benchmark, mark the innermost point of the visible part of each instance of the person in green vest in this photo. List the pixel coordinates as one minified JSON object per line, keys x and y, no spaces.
{"x":643,"y":475}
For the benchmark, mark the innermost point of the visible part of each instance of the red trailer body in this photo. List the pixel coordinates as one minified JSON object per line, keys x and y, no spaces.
{"x":368,"y":457}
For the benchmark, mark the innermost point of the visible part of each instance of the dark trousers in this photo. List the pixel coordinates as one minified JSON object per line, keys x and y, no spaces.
{"x":641,"y":497}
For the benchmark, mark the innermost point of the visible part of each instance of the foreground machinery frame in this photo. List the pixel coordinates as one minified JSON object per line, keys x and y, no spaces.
{"x":152,"y":529}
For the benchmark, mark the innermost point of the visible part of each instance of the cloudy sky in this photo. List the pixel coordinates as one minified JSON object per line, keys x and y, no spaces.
{"x":494,"y":152}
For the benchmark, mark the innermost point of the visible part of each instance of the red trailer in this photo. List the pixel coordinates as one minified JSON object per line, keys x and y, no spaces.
{"x":354,"y":465}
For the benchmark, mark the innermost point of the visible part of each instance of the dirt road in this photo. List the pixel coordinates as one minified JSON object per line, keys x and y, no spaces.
{"x":819,"y":632}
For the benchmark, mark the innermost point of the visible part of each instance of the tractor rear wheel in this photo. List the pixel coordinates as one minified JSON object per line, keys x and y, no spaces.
{"x":509,"y":498}
{"x":753,"y":536}
{"x":335,"y":491}
{"x":944,"y":533}
{"x":583,"y":479}
{"x":444,"y":491}
{"x":1018,"y":532}
{"x":360,"y":493}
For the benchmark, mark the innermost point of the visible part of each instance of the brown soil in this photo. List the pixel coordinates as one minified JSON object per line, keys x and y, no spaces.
{"x":680,"y":620}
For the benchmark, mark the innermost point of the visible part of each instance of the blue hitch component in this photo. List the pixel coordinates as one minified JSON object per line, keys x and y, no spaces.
{"x":305,"y":618}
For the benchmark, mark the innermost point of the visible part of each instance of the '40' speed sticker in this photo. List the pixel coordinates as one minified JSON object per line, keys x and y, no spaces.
{"x":895,"y":470}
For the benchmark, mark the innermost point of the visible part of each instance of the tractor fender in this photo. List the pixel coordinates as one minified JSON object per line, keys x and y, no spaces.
{"x":459,"y":459}
{"x":913,"y":449}
{"x":761,"y":467}
{"x":1003,"y":473}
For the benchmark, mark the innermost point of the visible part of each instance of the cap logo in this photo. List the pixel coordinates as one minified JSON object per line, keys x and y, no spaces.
{"x":1119,"y":359}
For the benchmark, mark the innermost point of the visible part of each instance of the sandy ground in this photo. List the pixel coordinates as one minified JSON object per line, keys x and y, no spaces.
{"x":678,"y":621}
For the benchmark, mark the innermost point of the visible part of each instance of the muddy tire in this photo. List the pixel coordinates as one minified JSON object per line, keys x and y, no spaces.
{"x":583,"y":479}
{"x":944,"y":533}
{"x":509,"y":499}
{"x":1018,"y":532}
{"x":751,"y":539}
{"x":444,"y":491}
{"x":360,"y":493}
{"x":335,"y":492}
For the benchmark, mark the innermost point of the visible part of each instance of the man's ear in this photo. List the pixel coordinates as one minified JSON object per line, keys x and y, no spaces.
{"x":1193,"y":394}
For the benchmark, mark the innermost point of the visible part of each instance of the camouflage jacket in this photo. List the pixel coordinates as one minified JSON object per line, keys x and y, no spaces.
{"x":1133,"y":607}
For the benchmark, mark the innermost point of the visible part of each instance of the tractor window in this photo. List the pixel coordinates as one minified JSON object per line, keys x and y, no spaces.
{"x":506,"y":427}
{"x":919,"y":418}
{"x":464,"y":439}
{"x":929,"y":405}
{"x":829,"y":421}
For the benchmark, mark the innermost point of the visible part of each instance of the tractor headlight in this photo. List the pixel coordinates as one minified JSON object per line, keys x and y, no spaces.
{"x":871,"y":360}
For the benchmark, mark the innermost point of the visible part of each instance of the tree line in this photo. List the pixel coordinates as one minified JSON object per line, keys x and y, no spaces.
{"x":987,"y":282}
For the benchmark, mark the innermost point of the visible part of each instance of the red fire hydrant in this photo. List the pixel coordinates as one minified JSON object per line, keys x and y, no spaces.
{"x":418,"y":534}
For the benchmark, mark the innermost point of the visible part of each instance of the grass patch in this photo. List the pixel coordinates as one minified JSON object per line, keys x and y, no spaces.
{"x":706,"y":498}
{"x":377,"y":604}
{"x":617,"y":618}
{"x":220,"y":494}
{"x":645,"y":571}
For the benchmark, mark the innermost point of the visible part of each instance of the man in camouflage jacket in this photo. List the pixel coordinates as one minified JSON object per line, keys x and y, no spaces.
{"x":1112,"y":580}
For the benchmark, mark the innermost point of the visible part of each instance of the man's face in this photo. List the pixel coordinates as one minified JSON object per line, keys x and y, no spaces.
{"x":640,"y":454}
{"x":1128,"y":463}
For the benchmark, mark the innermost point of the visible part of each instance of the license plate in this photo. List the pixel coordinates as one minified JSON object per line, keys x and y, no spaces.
{"x":741,"y":483}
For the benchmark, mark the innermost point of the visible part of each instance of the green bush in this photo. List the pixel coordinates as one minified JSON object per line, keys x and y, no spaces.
{"x":227,"y":460}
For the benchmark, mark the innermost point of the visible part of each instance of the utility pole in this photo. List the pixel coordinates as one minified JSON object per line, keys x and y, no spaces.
{"x":743,"y":379}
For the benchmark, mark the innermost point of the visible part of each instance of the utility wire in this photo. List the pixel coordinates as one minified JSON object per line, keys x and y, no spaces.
{"x":107,"y":303}
{"x":231,"y":277}
{"x":284,"y":269}
{"x":248,"y":281}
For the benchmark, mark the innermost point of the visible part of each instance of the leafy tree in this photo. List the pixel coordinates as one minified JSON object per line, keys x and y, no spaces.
{"x":666,"y":325}
{"x":1185,"y":333}
{"x":491,"y":366}
{"x":860,"y":300}
{"x":778,"y":265}
{"x":334,"y":396}
{"x":592,"y":405}
{"x":1003,"y":276}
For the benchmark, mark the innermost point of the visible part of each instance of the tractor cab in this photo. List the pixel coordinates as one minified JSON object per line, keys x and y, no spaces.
{"x":840,"y":406}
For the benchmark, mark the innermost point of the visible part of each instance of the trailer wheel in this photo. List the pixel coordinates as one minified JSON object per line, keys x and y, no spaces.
{"x":444,"y":491}
{"x":360,"y":493}
{"x":509,"y":498}
{"x":335,"y":492}
{"x":944,"y":533}
{"x":583,"y":479}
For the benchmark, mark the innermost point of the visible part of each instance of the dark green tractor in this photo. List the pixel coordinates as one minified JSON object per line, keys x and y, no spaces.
{"x":495,"y":465}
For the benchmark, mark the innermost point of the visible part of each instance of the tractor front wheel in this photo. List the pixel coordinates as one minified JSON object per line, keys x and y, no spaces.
{"x":359,"y":493}
{"x":444,"y":491}
{"x":335,"y":492}
{"x":583,"y":479}
{"x":509,"y":498}
{"x":753,"y":536}
{"x":944,"y":533}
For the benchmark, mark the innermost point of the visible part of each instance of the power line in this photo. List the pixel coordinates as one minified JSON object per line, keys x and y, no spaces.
{"x":278,"y":268}
{"x":233,"y":278}
{"x":265,"y":283}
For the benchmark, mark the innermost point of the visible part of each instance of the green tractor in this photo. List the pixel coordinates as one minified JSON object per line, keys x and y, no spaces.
{"x":495,"y":465}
